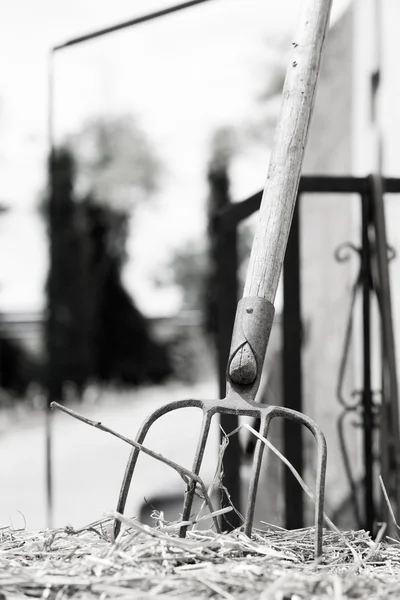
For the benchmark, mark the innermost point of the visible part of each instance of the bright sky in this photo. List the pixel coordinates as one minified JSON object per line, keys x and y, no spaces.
{"x":183,"y":76}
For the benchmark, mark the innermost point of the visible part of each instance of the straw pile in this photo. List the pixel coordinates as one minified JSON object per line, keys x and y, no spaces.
{"x":154,"y":562}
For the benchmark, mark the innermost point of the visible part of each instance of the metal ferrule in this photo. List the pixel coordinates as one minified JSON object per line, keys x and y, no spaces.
{"x":253,"y":322}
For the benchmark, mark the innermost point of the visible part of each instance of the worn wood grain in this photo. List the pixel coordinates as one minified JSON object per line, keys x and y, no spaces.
{"x":286,"y":159}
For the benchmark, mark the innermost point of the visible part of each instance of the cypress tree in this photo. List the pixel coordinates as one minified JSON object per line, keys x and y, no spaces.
{"x":69,"y":313}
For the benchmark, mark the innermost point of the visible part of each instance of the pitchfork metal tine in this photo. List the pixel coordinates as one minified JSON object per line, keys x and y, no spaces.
{"x":191,"y":486}
{"x":257,"y":461}
{"x":286,"y":413}
{"x":294,"y":415}
{"x":140,"y":437}
{"x":126,"y":483}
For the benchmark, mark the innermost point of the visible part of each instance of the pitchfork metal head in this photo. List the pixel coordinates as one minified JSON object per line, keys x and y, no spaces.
{"x":249,"y":341}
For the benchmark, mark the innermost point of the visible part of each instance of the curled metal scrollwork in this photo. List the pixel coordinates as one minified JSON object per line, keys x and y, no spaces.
{"x":391,"y":253}
{"x":342,"y":256}
{"x":351,"y":405}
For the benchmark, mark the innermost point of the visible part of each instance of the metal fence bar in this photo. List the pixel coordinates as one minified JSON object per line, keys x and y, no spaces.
{"x":292,"y":373}
{"x":136,"y":21}
{"x":224,"y":286}
{"x":228,"y":218}
{"x":227,"y":300}
{"x":367,"y":400}
{"x":389,"y":413}
{"x":237,"y":212}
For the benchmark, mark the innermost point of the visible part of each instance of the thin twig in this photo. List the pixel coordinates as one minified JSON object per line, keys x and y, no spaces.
{"x":385,"y":495}
{"x":186,"y":474}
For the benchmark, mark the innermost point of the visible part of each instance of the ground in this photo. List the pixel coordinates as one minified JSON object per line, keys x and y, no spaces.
{"x":89,"y":464}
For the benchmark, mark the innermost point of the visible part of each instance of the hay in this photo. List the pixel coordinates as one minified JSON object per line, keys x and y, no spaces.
{"x":154,"y":562}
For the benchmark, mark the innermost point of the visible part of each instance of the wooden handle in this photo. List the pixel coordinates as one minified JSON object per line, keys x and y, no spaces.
{"x":287,"y":153}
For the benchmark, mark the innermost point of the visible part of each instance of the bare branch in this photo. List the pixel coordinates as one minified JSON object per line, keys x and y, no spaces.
{"x":186,"y":474}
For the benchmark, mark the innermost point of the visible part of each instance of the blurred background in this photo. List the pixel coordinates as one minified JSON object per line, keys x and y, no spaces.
{"x":150,"y":123}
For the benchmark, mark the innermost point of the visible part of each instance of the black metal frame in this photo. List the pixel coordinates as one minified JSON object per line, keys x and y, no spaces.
{"x":227,"y":221}
{"x":366,"y":398}
{"x":51,"y":147}
{"x":136,"y":21}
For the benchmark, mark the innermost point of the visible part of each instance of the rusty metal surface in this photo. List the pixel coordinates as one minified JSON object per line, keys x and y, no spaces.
{"x":238,"y":404}
{"x":251,"y":331}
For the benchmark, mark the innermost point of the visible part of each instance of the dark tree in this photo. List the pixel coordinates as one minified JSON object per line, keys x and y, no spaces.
{"x":123,"y":349}
{"x":94,"y":330}
{"x":17,"y":367}
{"x":69,"y":294}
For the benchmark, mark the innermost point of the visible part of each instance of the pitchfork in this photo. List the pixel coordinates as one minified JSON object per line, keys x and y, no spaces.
{"x":255,"y":311}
